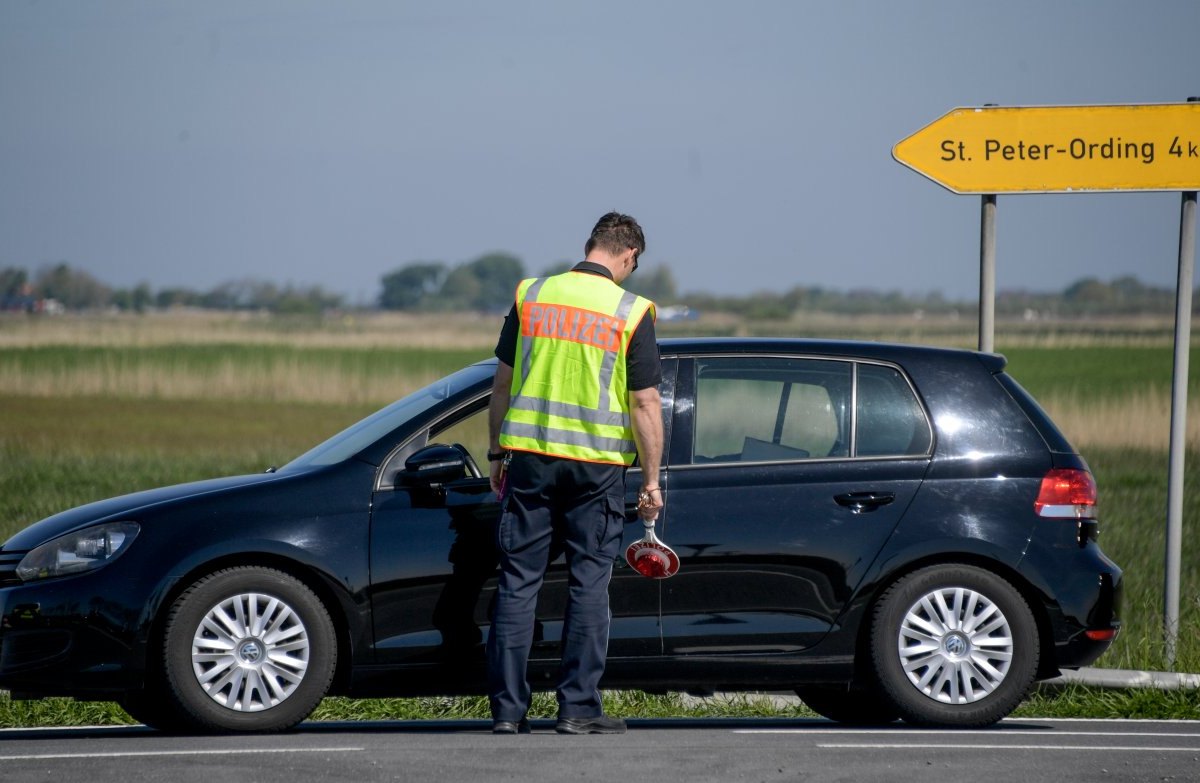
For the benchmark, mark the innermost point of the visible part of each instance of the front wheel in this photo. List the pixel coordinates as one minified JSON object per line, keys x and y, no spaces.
{"x":247,"y":649}
{"x":954,"y":645}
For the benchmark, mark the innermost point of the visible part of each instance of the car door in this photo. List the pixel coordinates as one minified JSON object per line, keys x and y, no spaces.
{"x":789,"y":475}
{"x":433,"y":559}
{"x":434,"y":564}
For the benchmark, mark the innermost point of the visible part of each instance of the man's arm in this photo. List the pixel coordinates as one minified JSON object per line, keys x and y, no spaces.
{"x":497,"y":409}
{"x":645,"y":407}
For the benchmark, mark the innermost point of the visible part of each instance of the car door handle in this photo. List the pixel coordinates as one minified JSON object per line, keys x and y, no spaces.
{"x":858,"y":502}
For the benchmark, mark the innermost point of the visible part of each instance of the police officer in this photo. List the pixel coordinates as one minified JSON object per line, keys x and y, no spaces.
{"x":574,"y":401}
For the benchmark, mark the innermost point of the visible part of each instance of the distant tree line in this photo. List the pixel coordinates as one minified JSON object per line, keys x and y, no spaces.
{"x":1088,"y":297}
{"x":487,"y":284}
{"x":61,"y":286}
{"x":1093,"y":297}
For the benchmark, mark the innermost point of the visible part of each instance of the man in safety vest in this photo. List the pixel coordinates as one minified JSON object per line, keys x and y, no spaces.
{"x":574,"y":402}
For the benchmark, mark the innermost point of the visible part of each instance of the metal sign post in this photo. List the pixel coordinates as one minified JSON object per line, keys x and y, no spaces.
{"x":987,"y":274}
{"x":1179,"y":386}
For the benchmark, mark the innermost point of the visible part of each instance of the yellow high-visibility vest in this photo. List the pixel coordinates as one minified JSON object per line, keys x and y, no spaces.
{"x":569,"y":396}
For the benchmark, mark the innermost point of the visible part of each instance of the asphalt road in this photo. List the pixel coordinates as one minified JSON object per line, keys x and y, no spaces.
{"x":1025,"y":751}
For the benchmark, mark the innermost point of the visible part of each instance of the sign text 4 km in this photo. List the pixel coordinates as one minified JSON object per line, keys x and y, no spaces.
{"x":1059,"y":149}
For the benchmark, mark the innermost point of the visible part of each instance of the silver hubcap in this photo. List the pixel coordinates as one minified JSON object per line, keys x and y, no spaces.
{"x":955,"y":645}
{"x":250,"y":652}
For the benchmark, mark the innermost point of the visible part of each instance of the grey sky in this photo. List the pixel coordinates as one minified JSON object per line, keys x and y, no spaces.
{"x":328,"y":143}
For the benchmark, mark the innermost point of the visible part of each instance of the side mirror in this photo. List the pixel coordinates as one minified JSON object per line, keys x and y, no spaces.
{"x":434,"y":464}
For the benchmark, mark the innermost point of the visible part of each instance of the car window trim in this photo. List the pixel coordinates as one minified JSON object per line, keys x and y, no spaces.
{"x":807,"y":461}
{"x":852,"y":450}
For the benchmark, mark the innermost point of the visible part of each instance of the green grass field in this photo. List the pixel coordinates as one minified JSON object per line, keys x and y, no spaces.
{"x":80,"y":422}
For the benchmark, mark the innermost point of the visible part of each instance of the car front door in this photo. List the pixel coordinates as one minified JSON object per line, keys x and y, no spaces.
{"x":789,"y":475}
{"x":433,"y":560}
{"x":434,"y":563}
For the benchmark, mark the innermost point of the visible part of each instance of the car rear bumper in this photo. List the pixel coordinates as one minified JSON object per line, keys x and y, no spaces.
{"x":1083,"y":616}
{"x":1083,"y":636}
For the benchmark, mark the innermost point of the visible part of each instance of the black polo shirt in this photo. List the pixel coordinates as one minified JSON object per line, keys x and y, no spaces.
{"x":642,"y":367}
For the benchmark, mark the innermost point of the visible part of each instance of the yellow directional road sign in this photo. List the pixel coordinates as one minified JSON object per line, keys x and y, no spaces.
{"x":1059,"y":149}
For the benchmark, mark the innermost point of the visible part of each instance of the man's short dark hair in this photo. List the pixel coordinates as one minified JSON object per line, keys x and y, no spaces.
{"x":615,"y":233}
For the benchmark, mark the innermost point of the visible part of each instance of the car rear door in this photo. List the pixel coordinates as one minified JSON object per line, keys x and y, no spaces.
{"x":788,"y":475}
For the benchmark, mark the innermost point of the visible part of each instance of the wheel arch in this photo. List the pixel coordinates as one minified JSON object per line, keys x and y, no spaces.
{"x":311,"y":578}
{"x":1035,"y":599}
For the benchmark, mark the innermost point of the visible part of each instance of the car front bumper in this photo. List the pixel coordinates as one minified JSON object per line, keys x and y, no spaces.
{"x":75,"y":636}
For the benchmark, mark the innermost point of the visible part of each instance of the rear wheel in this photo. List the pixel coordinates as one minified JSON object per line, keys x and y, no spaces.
{"x":954,"y":645}
{"x":247,"y":649}
{"x":857,"y":706}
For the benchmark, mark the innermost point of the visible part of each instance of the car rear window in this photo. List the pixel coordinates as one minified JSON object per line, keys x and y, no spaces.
{"x":1055,"y":440}
{"x":890,"y":420}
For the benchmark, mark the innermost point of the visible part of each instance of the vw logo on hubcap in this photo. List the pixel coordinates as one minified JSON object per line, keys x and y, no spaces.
{"x":956,"y":645}
{"x":251,"y":652}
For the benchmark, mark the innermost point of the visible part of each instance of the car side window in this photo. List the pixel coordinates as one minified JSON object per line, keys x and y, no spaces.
{"x":470,"y":431}
{"x":466,"y":426}
{"x":891,"y":422}
{"x":760,"y":409}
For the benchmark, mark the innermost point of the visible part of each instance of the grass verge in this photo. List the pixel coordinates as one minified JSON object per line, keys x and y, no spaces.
{"x":1071,"y":702}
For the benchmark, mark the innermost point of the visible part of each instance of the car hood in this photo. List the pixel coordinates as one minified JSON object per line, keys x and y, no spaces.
{"x":129,"y":506}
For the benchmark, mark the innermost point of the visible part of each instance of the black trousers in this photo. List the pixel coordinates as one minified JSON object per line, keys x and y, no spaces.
{"x":555,"y":504}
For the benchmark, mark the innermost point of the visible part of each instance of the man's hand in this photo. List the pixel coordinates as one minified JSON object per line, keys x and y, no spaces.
{"x":650,"y":502}
{"x":496,"y":472}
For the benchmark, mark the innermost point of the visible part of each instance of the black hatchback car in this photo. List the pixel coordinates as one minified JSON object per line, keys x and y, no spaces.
{"x":890,"y":531}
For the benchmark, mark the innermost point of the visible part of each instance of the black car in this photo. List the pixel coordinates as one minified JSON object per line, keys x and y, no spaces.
{"x":891,"y":531}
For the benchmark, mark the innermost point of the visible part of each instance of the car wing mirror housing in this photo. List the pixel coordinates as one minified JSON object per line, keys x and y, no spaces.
{"x":433,"y":466}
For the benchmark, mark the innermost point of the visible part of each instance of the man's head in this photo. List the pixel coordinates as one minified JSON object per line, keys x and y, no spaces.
{"x":616,"y":242}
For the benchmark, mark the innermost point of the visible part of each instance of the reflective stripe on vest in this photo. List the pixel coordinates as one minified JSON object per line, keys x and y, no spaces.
{"x":566,"y":410}
{"x":582,"y":323}
{"x":570,"y":437}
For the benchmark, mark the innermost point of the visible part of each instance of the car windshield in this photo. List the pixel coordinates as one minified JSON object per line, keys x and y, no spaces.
{"x":362,"y":434}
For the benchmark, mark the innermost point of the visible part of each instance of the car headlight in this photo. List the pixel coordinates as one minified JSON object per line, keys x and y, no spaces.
{"x":74,"y":553}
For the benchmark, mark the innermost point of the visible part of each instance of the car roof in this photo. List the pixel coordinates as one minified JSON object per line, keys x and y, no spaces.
{"x":863,"y":349}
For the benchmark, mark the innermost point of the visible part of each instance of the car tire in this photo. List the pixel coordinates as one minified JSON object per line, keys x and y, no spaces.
{"x":854,"y":706}
{"x":152,"y":708}
{"x":954,"y":645}
{"x":247,"y":649}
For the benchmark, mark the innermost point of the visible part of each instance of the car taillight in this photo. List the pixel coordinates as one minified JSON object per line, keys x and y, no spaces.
{"x":1067,"y":493}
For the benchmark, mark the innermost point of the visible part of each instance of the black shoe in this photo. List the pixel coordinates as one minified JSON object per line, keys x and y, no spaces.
{"x":600,"y":724}
{"x":511,"y":727}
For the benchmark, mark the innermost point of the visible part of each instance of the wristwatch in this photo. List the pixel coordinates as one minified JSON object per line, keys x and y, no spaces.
{"x":496,"y":456}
